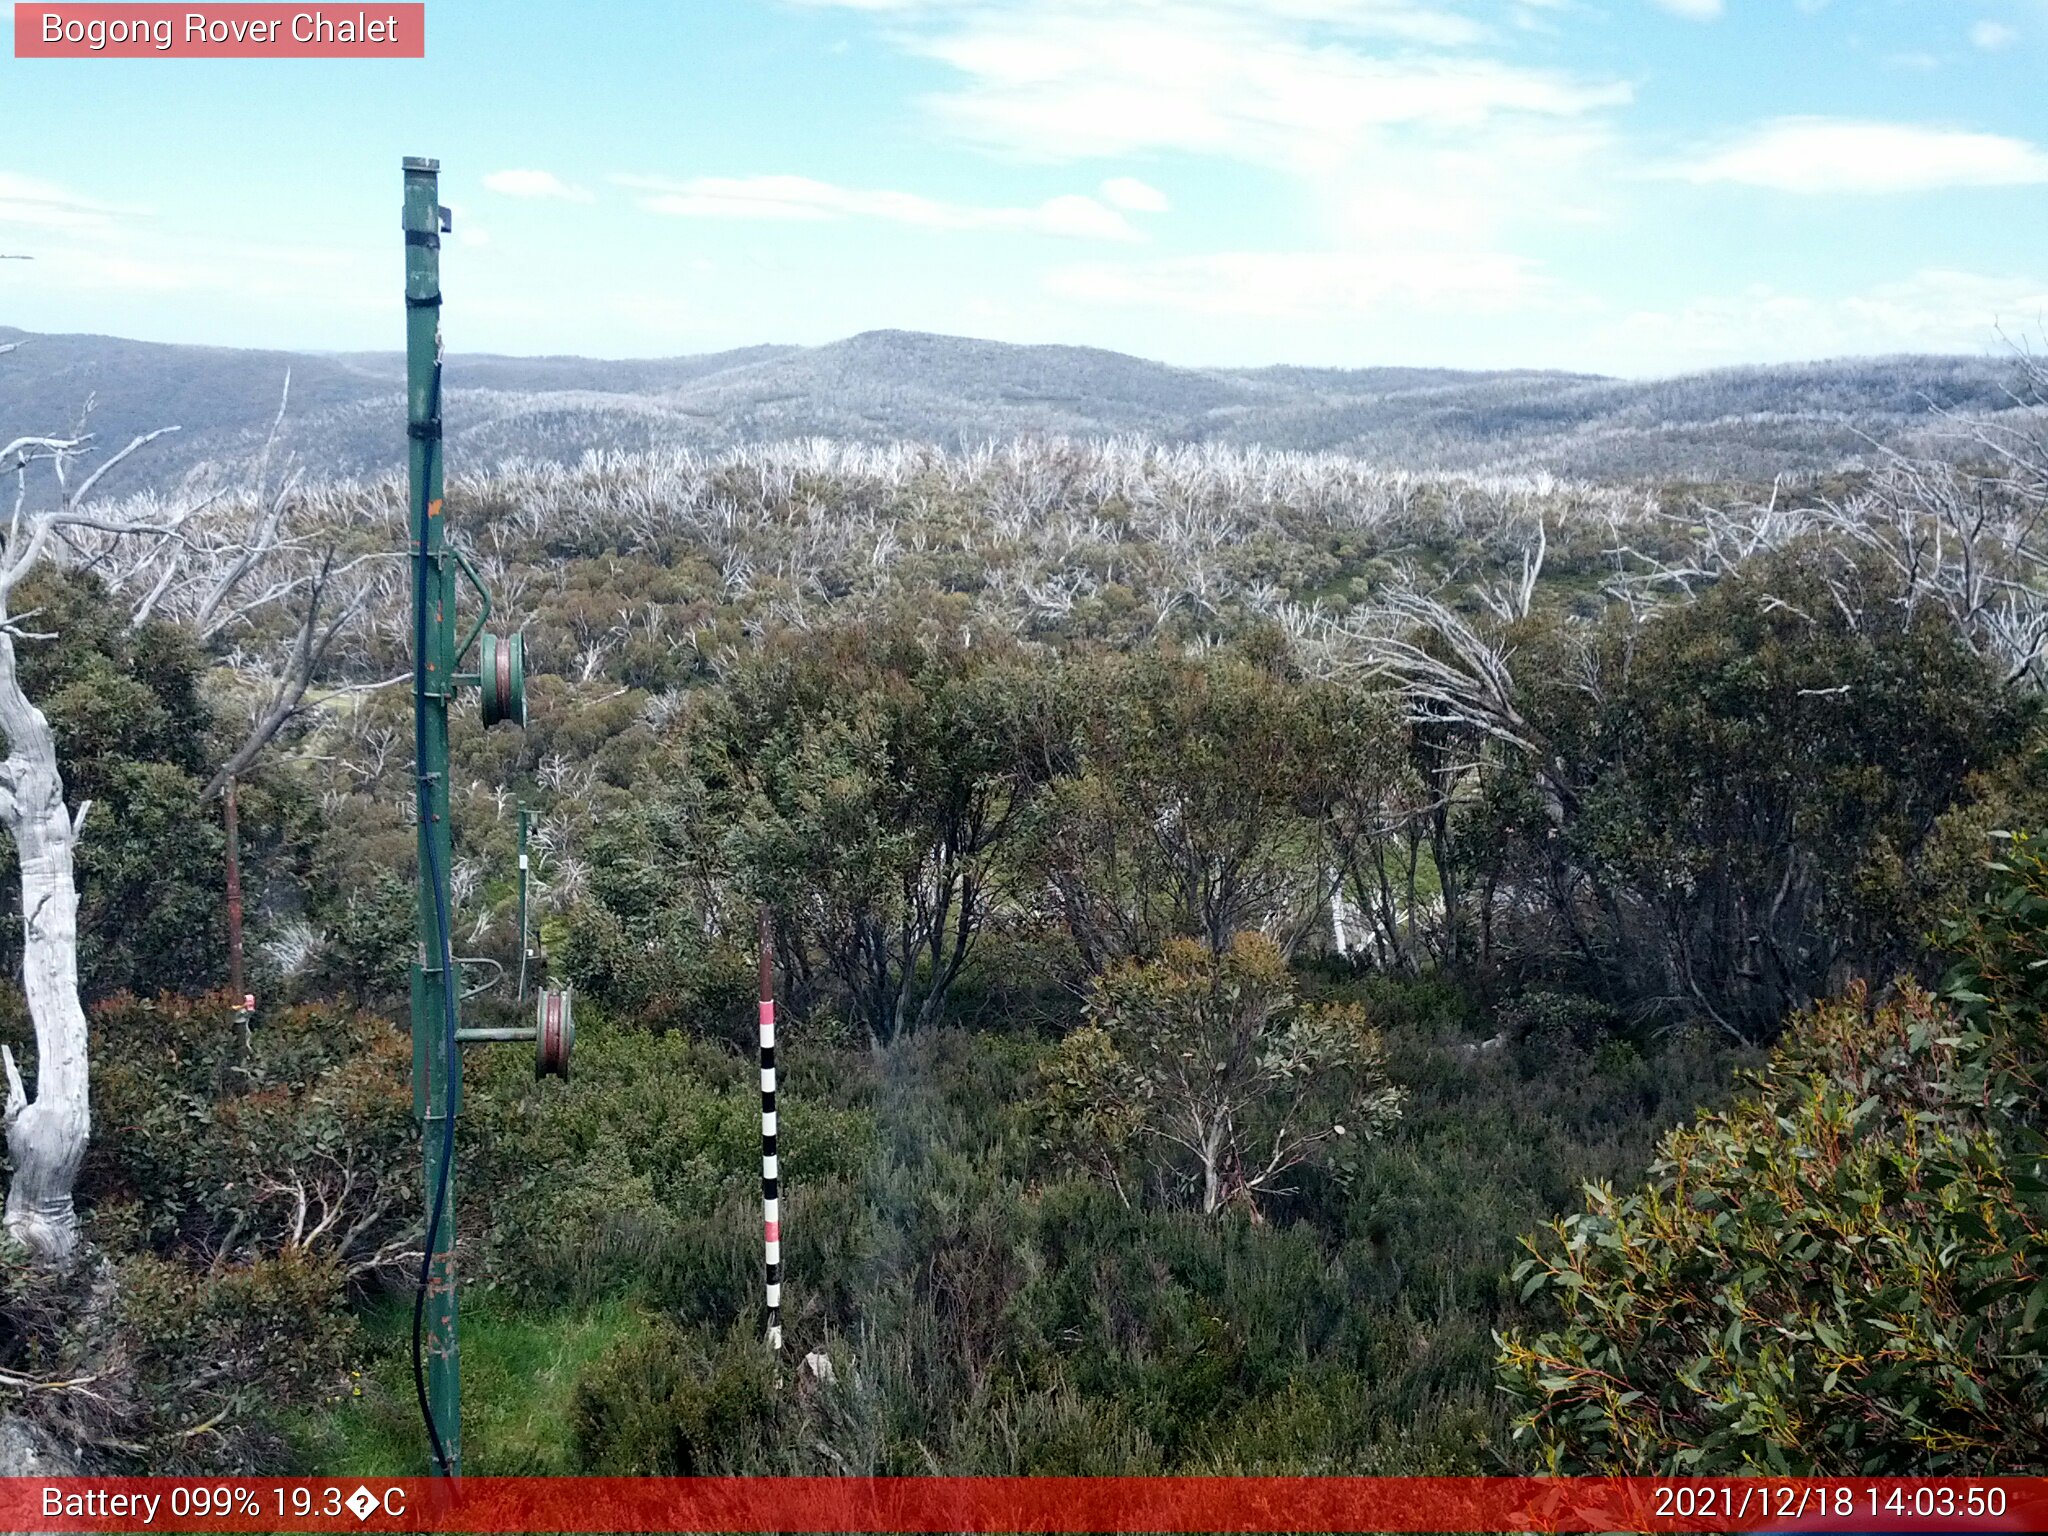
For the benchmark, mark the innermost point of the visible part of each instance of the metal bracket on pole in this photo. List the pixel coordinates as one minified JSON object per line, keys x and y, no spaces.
{"x":476,"y":585}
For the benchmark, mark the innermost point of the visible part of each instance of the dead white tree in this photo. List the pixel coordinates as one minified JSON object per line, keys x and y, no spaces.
{"x":292,"y":675}
{"x":46,"y":1134}
{"x":246,"y":558}
{"x":1960,"y":528}
{"x":1449,"y":668}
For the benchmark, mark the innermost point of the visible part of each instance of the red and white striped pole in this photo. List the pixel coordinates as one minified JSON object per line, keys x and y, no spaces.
{"x":771,"y":1171}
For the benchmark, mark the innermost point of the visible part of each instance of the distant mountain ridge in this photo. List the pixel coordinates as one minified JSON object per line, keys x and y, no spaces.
{"x":346,"y":408}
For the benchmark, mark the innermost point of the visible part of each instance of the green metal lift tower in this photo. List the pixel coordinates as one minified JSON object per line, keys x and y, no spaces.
{"x":500,"y":678}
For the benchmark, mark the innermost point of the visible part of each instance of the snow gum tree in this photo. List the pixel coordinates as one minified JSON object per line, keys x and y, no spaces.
{"x":1204,"y":1067}
{"x":46,"y":1133}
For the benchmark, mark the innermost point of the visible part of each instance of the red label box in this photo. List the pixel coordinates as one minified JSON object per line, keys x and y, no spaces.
{"x":372,"y":30}
{"x":1050,"y":1506}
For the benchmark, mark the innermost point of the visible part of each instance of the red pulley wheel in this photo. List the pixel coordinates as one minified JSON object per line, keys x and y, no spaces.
{"x":554,"y":1034}
{"x":501,"y":678}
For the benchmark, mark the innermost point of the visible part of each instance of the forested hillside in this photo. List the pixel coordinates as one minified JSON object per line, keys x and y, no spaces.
{"x":884,"y":387}
{"x":1225,"y":900}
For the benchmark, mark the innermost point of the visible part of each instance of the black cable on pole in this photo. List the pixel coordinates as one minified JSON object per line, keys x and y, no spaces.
{"x":424,"y":795}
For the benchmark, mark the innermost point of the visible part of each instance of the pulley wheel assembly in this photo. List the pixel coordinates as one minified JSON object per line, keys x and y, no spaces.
{"x":554,"y":1034}
{"x":501,"y":678}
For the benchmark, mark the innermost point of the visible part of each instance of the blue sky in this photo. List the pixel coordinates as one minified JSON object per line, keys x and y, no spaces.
{"x":1627,"y":186}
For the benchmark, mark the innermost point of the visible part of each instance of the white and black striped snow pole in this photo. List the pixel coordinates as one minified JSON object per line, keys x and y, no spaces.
{"x":771,"y":1171}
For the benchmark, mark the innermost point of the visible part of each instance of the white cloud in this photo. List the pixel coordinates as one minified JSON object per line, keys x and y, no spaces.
{"x":801,"y":198}
{"x":1407,"y":21}
{"x":1810,"y":154}
{"x":105,"y":266}
{"x":1304,"y":285}
{"x":105,"y":252}
{"x":1692,"y":10}
{"x":1411,"y":21}
{"x":1129,"y":193}
{"x":282,"y":273}
{"x":1063,"y":81}
{"x":535,"y":184}
{"x":1936,"y":310}
{"x":1992,"y":36}
{"x":26,"y":200}
{"x":1392,"y":126}
{"x":467,"y":230}
{"x":1413,"y":142}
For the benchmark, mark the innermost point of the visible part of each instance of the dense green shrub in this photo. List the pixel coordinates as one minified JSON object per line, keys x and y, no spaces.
{"x":640,"y":945}
{"x":239,"y":1192}
{"x":1203,"y":1068}
{"x":1728,"y":799}
{"x":1547,"y":1021}
{"x":651,"y":1157}
{"x":988,"y":1315}
{"x":152,"y":1364}
{"x":223,"y":1358}
{"x":367,"y":954}
{"x":132,"y":737}
{"x":1204,"y":798}
{"x":298,"y":1138}
{"x":874,"y":777}
{"x":672,"y":1403}
{"x":1843,"y":1273}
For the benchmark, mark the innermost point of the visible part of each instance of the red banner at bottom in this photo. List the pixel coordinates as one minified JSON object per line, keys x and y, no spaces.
{"x":1025,"y":1504}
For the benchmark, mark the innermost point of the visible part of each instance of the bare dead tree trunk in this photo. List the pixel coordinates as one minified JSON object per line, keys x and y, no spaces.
{"x":1212,"y":1169}
{"x":46,"y":1135}
{"x":309,"y":649}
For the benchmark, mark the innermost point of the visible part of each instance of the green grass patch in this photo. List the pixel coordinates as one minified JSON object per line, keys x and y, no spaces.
{"x":519,"y":1373}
